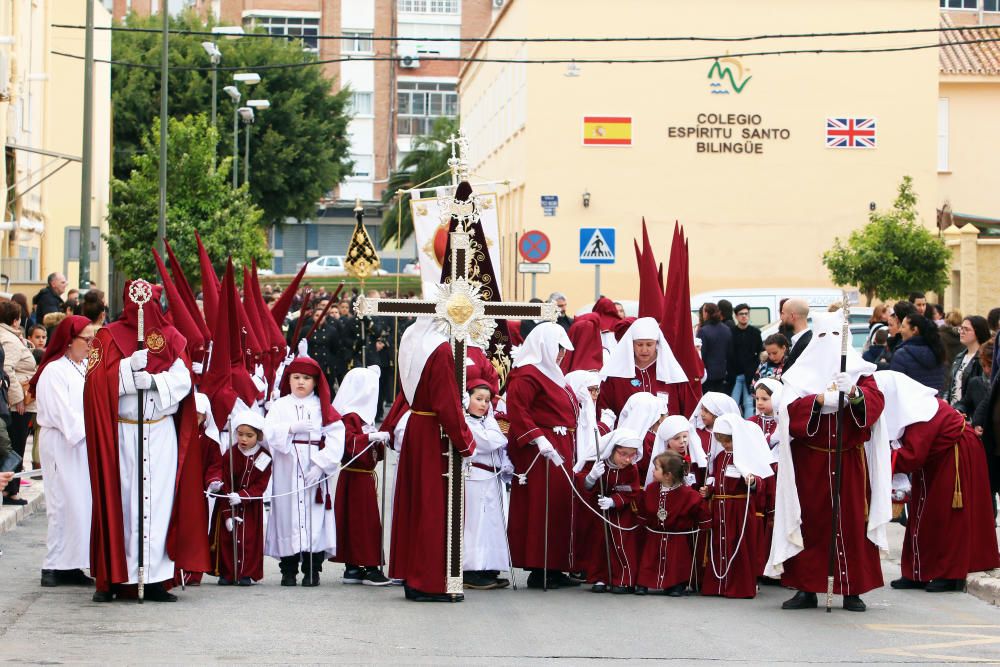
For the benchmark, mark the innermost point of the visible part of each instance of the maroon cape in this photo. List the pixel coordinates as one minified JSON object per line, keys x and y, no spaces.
{"x":948,"y":535}
{"x":249,"y":481}
{"x":420,"y":507}
{"x":359,"y":526}
{"x":814,"y":439}
{"x":187,"y":539}
{"x":535,"y":405}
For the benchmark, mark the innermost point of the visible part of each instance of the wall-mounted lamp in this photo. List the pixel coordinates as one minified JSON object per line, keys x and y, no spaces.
{"x":871,"y":206}
{"x":586,"y":198}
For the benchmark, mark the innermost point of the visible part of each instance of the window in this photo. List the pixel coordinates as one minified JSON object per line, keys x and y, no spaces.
{"x":363,"y":165}
{"x":428,"y":6}
{"x":962,"y":4}
{"x":357,"y":41}
{"x":420,"y":103}
{"x":942,"y":152}
{"x":361,"y":104}
{"x":294,"y":27}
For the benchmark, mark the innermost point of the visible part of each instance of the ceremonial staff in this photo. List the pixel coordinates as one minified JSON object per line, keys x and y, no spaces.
{"x":232,"y":508}
{"x":140,"y":292}
{"x":607,"y":532}
{"x":838,"y":466}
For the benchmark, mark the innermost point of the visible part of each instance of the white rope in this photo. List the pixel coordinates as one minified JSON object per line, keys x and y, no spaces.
{"x":300,"y":489}
{"x":732,"y":559}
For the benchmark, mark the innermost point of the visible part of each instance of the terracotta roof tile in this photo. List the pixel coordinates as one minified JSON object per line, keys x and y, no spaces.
{"x":956,"y":58}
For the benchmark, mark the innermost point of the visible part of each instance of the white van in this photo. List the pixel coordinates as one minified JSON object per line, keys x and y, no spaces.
{"x":765,"y":302}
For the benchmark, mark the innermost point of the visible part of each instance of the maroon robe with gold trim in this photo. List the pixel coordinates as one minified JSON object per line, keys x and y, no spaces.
{"x":359,"y":526}
{"x":732,"y":553}
{"x":667,"y":560}
{"x":615,"y":391}
{"x":621,"y":485}
{"x":250,"y":475}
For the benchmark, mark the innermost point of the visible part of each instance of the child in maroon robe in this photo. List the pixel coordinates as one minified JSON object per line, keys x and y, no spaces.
{"x":767,"y":394}
{"x":239,"y":510}
{"x":611,"y":487}
{"x":671,"y":511}
{"x":359,"y":526}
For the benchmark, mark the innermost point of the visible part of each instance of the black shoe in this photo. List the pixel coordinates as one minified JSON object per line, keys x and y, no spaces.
{"x":854,"y":603}
{"x":943,"y":585}
{"x":502,"y":583}
{"x":245,"y":581}
{"x":103,"y":596}
{"x":801,"y":600}
{"x":14,"y":501}
{"x":156,"y":593}
{"x":49,"y":579}
{"x":562,"y":579}
{"x":641,"y":590}
{"x":599,"y":588}
{"x":288,"y":579}
{"x":478,"y":581}
{"x":73,"y":578}
{"x":354,"y":575}
{"x":373,"y":577}
{"x":905,"y":584}
{"x":577,"y":577}
{"x":768,"y":581}
{"x":537,"y":580}
{"x":224,"y":582}
{"x":419,"y":596}
{"x":310,"y":581}
{"x":620,"y":590}
{"x":676,"y":591}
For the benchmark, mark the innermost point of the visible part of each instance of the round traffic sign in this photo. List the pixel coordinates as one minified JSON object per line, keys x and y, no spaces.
{"x":534,"y":246}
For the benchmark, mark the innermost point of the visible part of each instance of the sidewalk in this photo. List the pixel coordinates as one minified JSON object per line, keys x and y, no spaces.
{"x":11,"y":515}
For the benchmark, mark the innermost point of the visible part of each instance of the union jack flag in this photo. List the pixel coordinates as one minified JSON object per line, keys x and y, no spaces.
{"x":850,"y":133}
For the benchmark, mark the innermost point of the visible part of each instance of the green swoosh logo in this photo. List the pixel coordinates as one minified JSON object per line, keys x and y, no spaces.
{"x":721,"y":72}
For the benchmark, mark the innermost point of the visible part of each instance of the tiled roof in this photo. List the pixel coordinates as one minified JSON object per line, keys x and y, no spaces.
{"x":956,"y":58}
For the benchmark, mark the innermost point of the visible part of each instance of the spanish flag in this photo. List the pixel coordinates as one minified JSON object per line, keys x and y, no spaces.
{"x":607,"y":130}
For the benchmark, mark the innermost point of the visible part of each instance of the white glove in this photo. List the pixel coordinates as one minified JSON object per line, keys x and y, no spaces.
{"x":843,"y":382}
{"x":689,"y":479}
{"x":596,"y":472}
{"x":229,"y":524}
{"x":710,"y":481}
{"x":302,"y":426}
{"x":313,"y":475}
{"x":234,"y":499}
{"x":774,"y":440}
{"x":465,"y":400}
{"x":138,"y":359}
{"x":830,"y":399}
{"x":197,"y":367}
{"x":546,"y":449}
{"x":608,"y":418}
{"x":378,"y":436}
{"x":507,"y":469}
{"x":259,"y":382}
{"x":142,"y":380}
{"x":901,"y":483}
{"x":605,"y":503}
{"x":258,"y":371}
{"x":895,"y":444}
{"x":215,"y":486}
{"x":303,"y":348}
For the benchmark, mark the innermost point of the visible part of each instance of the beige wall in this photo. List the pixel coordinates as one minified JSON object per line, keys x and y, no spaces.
{"x":973,"y":138}
{"x":740,"y":211}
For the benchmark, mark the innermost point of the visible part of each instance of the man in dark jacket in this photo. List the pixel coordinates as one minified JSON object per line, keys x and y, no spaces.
{"x":49,"y":298}
{"x":747,"y":346}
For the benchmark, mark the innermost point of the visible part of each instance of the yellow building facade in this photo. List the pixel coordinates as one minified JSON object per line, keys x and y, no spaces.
{"x":735,"y":149}
{"x":41,"y":115}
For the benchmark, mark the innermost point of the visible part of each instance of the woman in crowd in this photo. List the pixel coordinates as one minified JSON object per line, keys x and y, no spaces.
{"x":716,"y":343}
{"x":972,"y":333}
{"x":920,"y":355}
{"x":19,"y":364}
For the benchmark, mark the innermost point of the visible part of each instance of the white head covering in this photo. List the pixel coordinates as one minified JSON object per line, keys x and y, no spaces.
{"x":751,"y":454}
{"x":907,"y":402}
{"x":203,"y":406}
{"x":621,"y":363}
{"x":586,"y":426}
{"x":251,"y":419}
{"x":358,"y":393}
{"x":671,"y":427}
{"x":540,"y":349}
{"x":715,"y":402}
{"x":417,"y":344}
{"x":776,"y":389}
{"x":813,"y":374}
{"x":620,"y":437}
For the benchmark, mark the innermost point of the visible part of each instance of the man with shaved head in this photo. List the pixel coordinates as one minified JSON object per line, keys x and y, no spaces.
{"x":795,"y":315}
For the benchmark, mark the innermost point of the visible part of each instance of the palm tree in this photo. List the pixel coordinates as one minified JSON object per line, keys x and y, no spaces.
{"x":428,"y":158}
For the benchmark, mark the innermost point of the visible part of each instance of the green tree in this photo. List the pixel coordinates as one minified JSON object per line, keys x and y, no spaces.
{"x":198,"y":198}
{"x":428,"y":158}
{"x":892,"y":255}
{"x":299,"y":148}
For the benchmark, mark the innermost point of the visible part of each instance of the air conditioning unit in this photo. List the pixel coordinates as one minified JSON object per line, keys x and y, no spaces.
{"x":408,"y":56}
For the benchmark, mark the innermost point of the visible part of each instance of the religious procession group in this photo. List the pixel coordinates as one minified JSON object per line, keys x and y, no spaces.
{"x":621,"y":473}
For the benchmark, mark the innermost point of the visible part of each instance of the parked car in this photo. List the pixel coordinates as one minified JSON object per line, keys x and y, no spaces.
{"x":412,"y":269}
{"x":764,"y":301}
{"x":332,"y":265}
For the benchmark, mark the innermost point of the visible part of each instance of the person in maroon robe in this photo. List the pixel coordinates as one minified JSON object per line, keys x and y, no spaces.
{"x":807,"y":460}
{"x":240,"y":517}
{"x":543,"y":418}
{"x":175,"y":516}
{"x":641,"y":361}
{"x":436,"y":422}
{"x":950,"y":531}
{"x":767,"y":395}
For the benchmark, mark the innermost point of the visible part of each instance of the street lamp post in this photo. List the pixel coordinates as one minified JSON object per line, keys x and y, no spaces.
{"x":234,"y":94}
{"x":216,"y":57}
{"x":258,"y":105}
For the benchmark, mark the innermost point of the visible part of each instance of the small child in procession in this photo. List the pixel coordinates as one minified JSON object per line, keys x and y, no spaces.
{"x":768,"y":396}
{"x":739,"y":459}
{"x":485,"y":552}
{"x":671,"y":511}
{"x":611,"y":487}
{"x":238,"y":518}
{"x":676,"y":434}
{"x":359,"y":525}
{"x":712,"y":405}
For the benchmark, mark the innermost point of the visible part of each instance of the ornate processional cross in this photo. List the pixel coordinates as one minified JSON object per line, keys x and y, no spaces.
{"x":460,"y":313}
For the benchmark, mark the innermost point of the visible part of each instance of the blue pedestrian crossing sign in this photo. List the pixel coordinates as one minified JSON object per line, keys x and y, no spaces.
{"x":597,"y":245}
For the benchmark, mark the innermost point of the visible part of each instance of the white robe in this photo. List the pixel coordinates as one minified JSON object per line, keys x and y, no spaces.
{"x":159,"y":465}
{"x":63,"y":448}
{"x":485,"y":544}
{"x":297,"y":522}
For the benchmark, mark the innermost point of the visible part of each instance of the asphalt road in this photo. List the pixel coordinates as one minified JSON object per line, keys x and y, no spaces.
{"x":356,"y":624}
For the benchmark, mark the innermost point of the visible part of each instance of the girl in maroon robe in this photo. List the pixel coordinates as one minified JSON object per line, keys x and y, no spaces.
{"x":359,"y":526}
{"x":245,"y":475}
{"x":616,"y":474}
{"x":767,"y":394}
{"x":670,"y":511}
{"x":543,"y":417}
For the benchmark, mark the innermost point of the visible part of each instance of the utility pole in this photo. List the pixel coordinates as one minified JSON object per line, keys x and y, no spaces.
{"x":86,"y":179}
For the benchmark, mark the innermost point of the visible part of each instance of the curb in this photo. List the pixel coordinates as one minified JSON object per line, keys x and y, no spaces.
{"x":11,"y":515}
{"x":985,"y":586}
